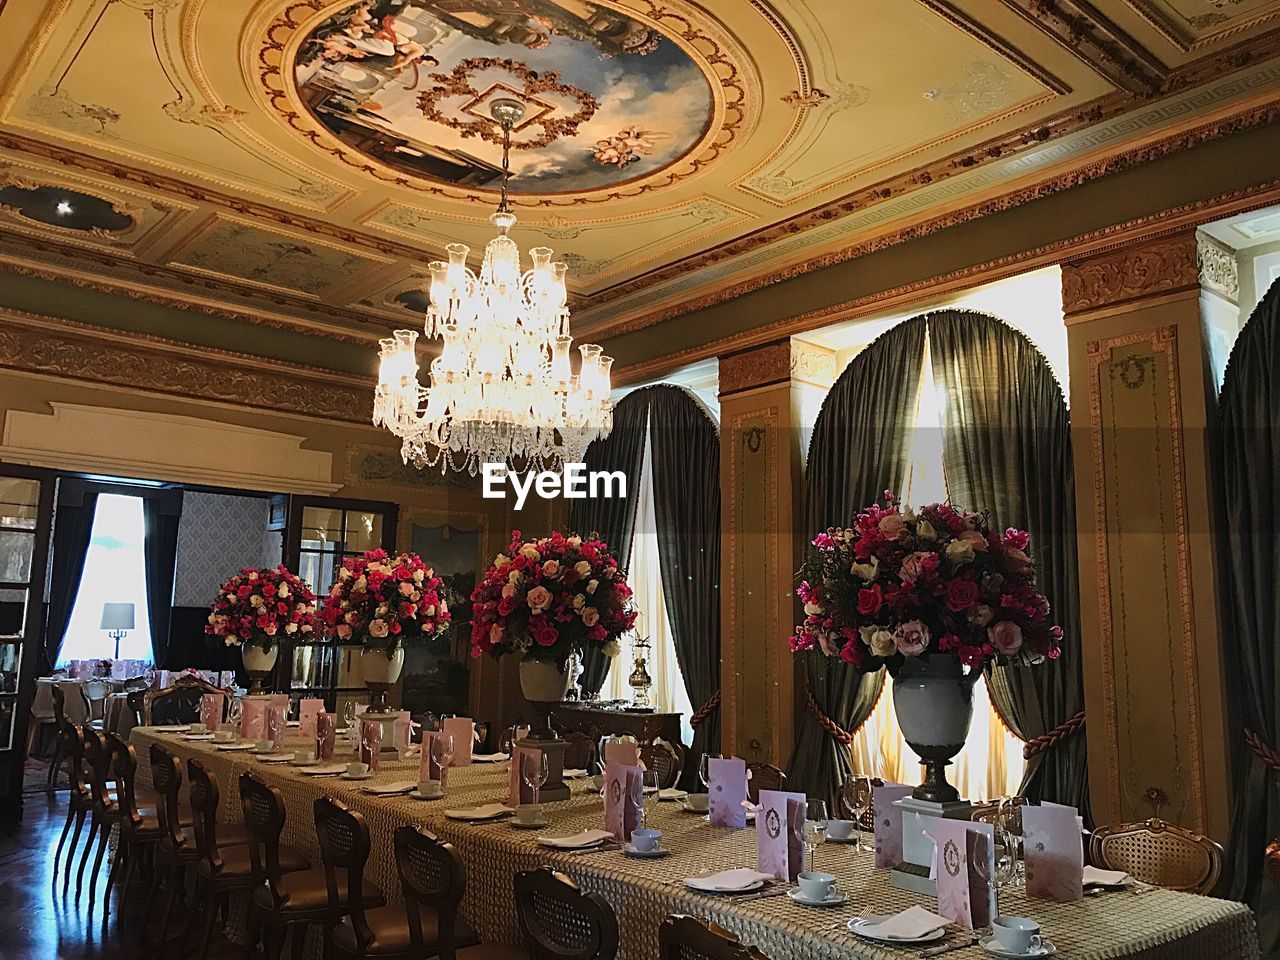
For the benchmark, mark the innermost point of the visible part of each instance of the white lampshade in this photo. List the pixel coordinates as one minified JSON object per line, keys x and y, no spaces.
{"x":117,"y":616}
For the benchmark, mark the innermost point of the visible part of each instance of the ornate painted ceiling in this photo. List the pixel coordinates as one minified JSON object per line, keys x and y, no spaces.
{"x":297,"y":162}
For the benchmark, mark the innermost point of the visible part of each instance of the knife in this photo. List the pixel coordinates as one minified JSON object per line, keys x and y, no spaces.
{"x":948,"y":947}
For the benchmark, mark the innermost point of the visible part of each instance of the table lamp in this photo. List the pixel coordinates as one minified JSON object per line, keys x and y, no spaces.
{"x":117,"y":620}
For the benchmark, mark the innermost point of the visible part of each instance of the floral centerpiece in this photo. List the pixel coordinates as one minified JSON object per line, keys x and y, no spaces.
{"x":257,"y":607}
{"x":547,"y":598}
{"x":382,"y":601}
{"x":929,"y":595}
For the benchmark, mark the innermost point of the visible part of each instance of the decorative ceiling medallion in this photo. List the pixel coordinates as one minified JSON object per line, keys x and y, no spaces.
{"x":399,"y":89}
{"x":65,"y":209}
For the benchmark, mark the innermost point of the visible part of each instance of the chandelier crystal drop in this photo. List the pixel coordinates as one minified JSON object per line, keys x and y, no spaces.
{"x":502,"y":388}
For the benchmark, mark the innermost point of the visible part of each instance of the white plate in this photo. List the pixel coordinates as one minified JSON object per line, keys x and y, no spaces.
{"x":276,"y":757}
{"x":326,"y":770}
{"x":574,"y":774}
{"x":172,"y":729}
{"x":197,"y":736}
{"x":584,"y":840}
{"x":233,"y":746}
{"x":390,"y":789}
{"x":478,"y":814}
{"x":989,"y":944}
{"x":357,"y":776}
{"x":865,"y":927}
{"x":836,"y":901}
{"x":293,"y":723}
{"x":739,"y":880}
{"x":669,"y":794}
{"x":653,"y":854}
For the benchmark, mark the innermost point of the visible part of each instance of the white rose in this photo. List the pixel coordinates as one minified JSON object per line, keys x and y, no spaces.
{"x":867,"y":571}
{"x":579,"y":601}
{"x":812,"y":609}
{"x":344,"y":573}
{"x":591,"y":587}
{"x":253,"y":574}
{"x":419,"y":576}
{"x":290,"y":628}
{"x":501,"y":560}
{"x":575,"y":541}
{"x":283,"y":591}
{"x":514,"y":577}
{"x":960,"y":552}
{"x":925,"y":531}
{"x":582,"y":568}
{"x":612,"y":648}
{"x":879,"y":640}
{"x":361,"y":584}
{"x":530,"y":551}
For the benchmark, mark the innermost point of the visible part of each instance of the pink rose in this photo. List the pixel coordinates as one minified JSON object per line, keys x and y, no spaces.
{"x":911,"y":638}
{"x":495,"y":634}
{"x":590,"y":616}
{"x":551,"y":568}
{"x":406,"y":588}
{"x":1005,"y":636}
{"x":539,"y":598}
{"x":378,"y":628}
{"x":892,"y":526}
{"x":974,"y":539}
{"x":916,"y":564}
{"x":343,"y":631}
{"x":508,"y":590}
{"x":828,"y":644}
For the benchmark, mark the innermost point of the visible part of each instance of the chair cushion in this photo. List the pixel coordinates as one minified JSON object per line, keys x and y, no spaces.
{"x":236,"y":861}
{"x":305,"y":891}
{"x":390,"y":928}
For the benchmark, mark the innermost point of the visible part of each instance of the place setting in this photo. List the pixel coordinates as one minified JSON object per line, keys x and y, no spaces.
{"x":482,"y":814}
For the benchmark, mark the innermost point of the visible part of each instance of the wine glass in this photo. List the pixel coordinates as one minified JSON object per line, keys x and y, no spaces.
{"x":858,"y":797}
{"x":704,"y":769}
{"x":445,"y":752}
{"x":815,"y":829}
{"x":535,"y":770}
{"x":1009,"y":826}
{"x":650,"y":785}
{"x":349,"y":715}
{"x":235,"y":710}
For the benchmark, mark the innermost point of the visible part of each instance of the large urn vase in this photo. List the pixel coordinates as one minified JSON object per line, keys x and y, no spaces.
{"x":544,"y":684}
{"x":380,"y":667}
{"x":259,"y":662}
{"x":933,"y":701}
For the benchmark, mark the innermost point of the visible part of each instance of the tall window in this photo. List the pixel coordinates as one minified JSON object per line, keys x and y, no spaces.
{"x":114,"y":572}
{"x":991,"y":763}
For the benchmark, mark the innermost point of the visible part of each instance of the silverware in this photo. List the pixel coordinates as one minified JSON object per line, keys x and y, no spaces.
{"x":948,"y":947}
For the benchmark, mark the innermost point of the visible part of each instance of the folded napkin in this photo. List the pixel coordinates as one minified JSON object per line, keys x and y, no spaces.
{"x":728,"y":880}
{"x":911,"y":924}
{"x":587,"y":838}
{"x":486,"y":812}
{"x":670,"y":793}
{"x":197,"y":736}
{"x":325,"y":770}
{"x":1104,"y":878}
{"x":275,"y":757}
{"x":489,"y":757}
{"x":243,"y":745}
{"x":574,"y":774}
{"x":173,"y":728}
{"x":383,"y":789}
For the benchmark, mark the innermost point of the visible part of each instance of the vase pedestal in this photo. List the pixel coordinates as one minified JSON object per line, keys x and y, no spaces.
{"x":555,"y":788}
{"x":387,"y":724}
{"x":918,"y":818}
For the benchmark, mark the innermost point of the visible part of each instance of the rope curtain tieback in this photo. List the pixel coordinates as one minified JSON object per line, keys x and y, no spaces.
{"x":838,"y":733}
{"x":1038,"y":745}
{"x":1264,"y":751}
{"x":704,"y":711}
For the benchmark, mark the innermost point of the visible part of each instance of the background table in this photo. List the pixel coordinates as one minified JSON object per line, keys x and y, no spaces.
{"x":1159,"y":925}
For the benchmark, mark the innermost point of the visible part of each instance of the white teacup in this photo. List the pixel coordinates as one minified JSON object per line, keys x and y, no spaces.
{"x":430,"y":788}
{"x":816,"y":885}
{"x":841,"y":829}
{"x":1017,"y":934}
{"x":224,"y":736}
{"x":357,"y":768}
{"x":698,"y":802}
{"x":304,"y":756}
{"x":528,"y":813}
{"x":597,"y":781}
{"x":645,"y":840}
{"x":197,"y":728}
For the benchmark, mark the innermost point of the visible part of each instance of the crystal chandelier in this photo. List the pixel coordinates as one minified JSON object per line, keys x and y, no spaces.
{"x":502,"y":389}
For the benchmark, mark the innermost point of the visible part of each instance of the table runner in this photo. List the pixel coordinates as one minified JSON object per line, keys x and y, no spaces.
{"x":1159,"y":924}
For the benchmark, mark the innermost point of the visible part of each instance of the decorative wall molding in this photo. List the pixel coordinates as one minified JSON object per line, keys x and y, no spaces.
{"x":51,"y":346}
{"x":1219,"y":271}
{"x":760,"y":367}
{"x":371,"y":466}
{"x":813,"y":364}
{"x":1165,"y":266}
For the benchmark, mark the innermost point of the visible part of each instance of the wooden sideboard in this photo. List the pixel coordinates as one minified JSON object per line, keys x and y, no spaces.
{"x":597,"y":722}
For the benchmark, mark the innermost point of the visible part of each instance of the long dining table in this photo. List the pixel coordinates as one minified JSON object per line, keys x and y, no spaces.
{"x":1153,"y":924}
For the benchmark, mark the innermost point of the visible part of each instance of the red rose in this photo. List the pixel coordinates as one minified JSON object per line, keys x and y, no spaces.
{"x":268,"y":589}
{"x":961,"y":595}
{"x":506,"y":605}
{"x":870,"y":599}
{"x":546,"y":636}
{"x":244,"y":591}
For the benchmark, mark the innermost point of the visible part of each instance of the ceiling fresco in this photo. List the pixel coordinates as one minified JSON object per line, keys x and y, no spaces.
{"x":296,"y":163}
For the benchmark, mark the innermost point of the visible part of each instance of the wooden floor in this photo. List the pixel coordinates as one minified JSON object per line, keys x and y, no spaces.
{"x":39,"y":922}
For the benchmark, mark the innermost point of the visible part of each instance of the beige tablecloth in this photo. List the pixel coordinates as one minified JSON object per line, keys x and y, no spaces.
{"x":1158,"y":924}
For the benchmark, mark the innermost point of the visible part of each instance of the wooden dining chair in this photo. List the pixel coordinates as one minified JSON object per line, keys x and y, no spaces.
{"x":285,"y":900}
{"x":666,"y":758}
{"x":763,"y":776}
{"x":688,"y":938}
{"x":560,"y":922}
{"x":344,"y":851}
{"x":104,"y":808}
{"x":79,"y":796}
{"x":1159,"y":853}
{"x":180,"y":702}
{"x":579,"y":751}
{"x":140,"y":831}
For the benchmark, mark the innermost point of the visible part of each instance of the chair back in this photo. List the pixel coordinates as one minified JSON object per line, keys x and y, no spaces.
{"x":561,"y":922}
{"x":124,"y":764}
{"x":1160,"y":854}
{"x":97,"y":759}
{"x":166,"y":777}
{"x":73,"y":750}
{"x":204,"y":794}
{"x":75,"y":703}
{"x":344,"y":846}
{"x":180,"y":702}
{"x":432,"y":877}
{"x":264,"y":816}
{"x":688,"y":938}
{"x":763,"y":776}
{"x":579,"y":751}
{"x":667,"y":759}
{"x":135,"y":700}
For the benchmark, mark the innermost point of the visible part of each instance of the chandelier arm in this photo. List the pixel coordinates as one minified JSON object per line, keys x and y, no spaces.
{"x":503,"y":207}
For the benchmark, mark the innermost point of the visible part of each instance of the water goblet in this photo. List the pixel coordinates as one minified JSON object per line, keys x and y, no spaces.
{"x":535,"y":771}
{"x":649,"y":786}
{"x":704,"y":769}
{"x":858,"y":797}
{"x":815,"y":829}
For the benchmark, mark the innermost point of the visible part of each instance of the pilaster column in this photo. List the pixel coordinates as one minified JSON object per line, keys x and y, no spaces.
{"x":1142,"y":395}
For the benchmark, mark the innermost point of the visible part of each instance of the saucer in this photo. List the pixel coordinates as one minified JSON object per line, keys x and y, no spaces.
{"x":992,"y":946}
{"x":358,"y":776}
{"x":417,"y":795}
{"x":299,"y":762}
{"x":653,"y":854}
{"x":529,"y":824}
{"x":836,"y":901}
{"x":849,"y":841}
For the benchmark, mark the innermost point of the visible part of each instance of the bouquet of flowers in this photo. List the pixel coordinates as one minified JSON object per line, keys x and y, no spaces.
{"x":898,"y":584}
{"x":257,"y":606}
{"x":382,"y":600}
{"x":549,"y":597}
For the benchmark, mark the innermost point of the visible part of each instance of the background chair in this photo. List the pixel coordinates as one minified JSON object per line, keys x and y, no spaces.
{"x":179,"y":703}
{"x":579,"y":751}
{"x":1159,"y":853}
{"x":79,"y":797}
{"x":763,"y":776}
{"x":344,"y":850}
{"x":688,"y":938}
{"x":667,"y":759}
{"x":560,"y":922}
{"x":139,"y":831}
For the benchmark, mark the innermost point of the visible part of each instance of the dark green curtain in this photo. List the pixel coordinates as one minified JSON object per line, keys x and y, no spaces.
{"x":161,"y":512}
{"x":1007,"y":450}
{"x":858,"y":450}
{"x":613,"y":518}
{"x":1249,"y":411}
{"x":72,"y":529}
{"x":684,"y":451}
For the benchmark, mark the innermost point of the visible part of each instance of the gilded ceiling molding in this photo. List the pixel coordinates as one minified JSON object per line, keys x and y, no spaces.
{"x":761,"y":367}
{"x":1185,"y":40}
{"x":51,"y":346}
{"x":924,"y":291}
{"x":1168,"y":265}
{"x":961,"y":21}
{"x":1219,"y":271}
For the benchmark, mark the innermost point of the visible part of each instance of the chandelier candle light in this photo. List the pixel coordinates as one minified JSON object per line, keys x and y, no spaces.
{"x":502,"y":389}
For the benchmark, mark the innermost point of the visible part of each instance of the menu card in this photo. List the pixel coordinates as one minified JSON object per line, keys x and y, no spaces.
{"x":623,"y":799}
{"x":211,"y":710}
{"x":401,"y":729}
{"x":888,"y":823}
{"x":1054,"y":850}
{"x":964,"y":862}
{"x":326,"y":731}
{"x":463,"y":730}
{"x":523,"y":758}
{"x":432,"y":766}
{"x":727,"y":786}
{"x":622,"y":750}
{"x":277,"y":723}
{"x":780,"y":833}
{"x":370,"y":742}
{"x":308,"y":710}
{"x":253,"y":722}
